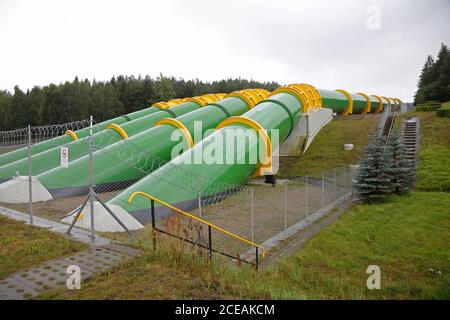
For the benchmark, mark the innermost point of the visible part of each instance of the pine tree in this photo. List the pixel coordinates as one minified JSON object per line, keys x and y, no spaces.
{"x":373,"y":183}
{"x":401,"y":172}
{"x":434,"y":81}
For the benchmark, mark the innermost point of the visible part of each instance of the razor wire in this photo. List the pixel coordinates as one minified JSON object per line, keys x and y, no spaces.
{"x":255,"y":211}
{"x":39,"y":134}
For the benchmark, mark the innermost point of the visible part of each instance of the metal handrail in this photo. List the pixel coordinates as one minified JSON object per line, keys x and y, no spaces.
{"x":196,"y":218}
{"x":394,"y":115}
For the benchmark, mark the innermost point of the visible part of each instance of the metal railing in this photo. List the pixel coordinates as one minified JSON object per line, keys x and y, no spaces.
{"x":391,"y":125}
{"x":210,"y":225}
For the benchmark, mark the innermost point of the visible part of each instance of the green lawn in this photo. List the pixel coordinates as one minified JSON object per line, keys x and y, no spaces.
{"x":22,"y":246}
{"x":327,"y":149}
{"x":406,"y":237}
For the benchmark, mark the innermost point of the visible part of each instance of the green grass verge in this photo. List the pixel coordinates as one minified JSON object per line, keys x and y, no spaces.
{"x":407,"y":237}
{"x":22,"y":246}
{"x":327,"y":149}
{"x":428,"y":106}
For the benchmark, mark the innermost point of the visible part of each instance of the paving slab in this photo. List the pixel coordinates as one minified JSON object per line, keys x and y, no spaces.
{"x":100,"y":257}
{"x":31,"y":282}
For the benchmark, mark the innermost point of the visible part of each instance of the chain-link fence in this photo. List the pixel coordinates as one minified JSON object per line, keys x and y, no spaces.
{"x":218,"y":218}
{"x":254,"y":212}
{"x":21,"y":144}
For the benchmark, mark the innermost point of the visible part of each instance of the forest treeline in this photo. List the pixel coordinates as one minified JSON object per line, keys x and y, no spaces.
{"x":76,"y":100}
{"x":434,"y":81}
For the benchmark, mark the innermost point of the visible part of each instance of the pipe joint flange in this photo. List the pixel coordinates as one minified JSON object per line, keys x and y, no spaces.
{"x":265,"y":166}
{"x":349,"y":109}
{"x":369,"y":103}
{"x":178,"y":125}
{"x":118,"y":129}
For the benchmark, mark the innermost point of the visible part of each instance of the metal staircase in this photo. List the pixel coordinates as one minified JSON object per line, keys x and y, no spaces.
{"x":410,"y":136}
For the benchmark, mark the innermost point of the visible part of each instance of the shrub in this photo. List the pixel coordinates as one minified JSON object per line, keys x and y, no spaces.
{"x":444,"y":111}
{"x":373,"y":183}
{"x":429,"y":106}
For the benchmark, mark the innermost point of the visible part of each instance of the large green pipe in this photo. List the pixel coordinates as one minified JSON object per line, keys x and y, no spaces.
{"x":375,"y":104}
{"x":65,"y":138}
{"x":173,"y":183}
{"x":359,"y":103}
{"x":156,"y":142}
{"x":334,"y":100}
{"x":49,"y":159}
{"x":386,"y":103}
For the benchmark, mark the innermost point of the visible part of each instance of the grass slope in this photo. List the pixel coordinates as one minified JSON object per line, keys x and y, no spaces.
{"x":22,"y":246}
{"x":327,"y":149}
{"x":405,"y":237}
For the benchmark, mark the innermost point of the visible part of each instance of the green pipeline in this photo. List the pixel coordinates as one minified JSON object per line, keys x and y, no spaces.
{"x":129,"y":160}
{"x":65,"y":138}
{"x":50,"y":159}
{"x":173,"y":183}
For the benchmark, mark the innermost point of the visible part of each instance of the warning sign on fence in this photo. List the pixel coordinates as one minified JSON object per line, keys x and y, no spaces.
{"x":64,"y":157}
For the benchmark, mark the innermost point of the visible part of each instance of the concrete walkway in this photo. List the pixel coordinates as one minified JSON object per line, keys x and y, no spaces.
{"x":99,"y":258}
{"x":55,"y":226}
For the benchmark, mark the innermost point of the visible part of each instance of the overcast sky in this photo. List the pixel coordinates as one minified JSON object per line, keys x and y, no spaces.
{"x":324,"y":43}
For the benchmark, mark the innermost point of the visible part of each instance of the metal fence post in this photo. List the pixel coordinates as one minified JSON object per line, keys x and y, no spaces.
{"x":285,"y":204}
{"x":200,"y":204}
{"x":323,"y":189}
{"x":345,"y":178}
{"x":30,"y":183}
{"x":257,"y":259}
{"x":152,"y":206}
{"x":252,"y":215}
{"x":210,"y":242}
{"x":306,"y":194}
{"x":334,"y":183}
{"x":91,"y":180}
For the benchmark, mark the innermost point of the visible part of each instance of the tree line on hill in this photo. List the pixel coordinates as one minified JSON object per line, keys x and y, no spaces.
{"x":434,"y":81}
{"x":78,"y":99}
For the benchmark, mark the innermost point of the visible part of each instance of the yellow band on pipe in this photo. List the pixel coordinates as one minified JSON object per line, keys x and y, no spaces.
{"x":300,"y":94}
{"x":251,"y":96}
{"x":130,"y":199}
{"x":177,"y":124}
{"x":175,"y":101}
{"x":394,"y":101}
{"x":265,"y":166}
{"x":162,"y":105}
{"x":369,"y":103}
{"x":308,"y":92}
{"x":118,"y":129}
{"x":349,"y":109}
{"x":72,"y":134}
{"x":386,"y":99}
{"x":202,"y":100}
{"x":317,"y":102}
{"x":380,"y":104}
